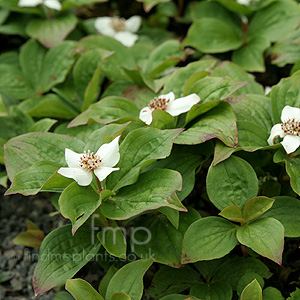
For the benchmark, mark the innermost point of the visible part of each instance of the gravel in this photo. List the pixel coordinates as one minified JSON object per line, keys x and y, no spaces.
{"x":17,"y":262}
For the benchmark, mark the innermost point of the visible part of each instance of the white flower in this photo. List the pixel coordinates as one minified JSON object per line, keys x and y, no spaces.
{"x":168,"y":104}
{"x":54,"y":4}
{"x":120,"y":29}
{"x":289,"y":130}
{"x":267,"y":90}
{"x":244,"y":2}
{"x":101,"y":163}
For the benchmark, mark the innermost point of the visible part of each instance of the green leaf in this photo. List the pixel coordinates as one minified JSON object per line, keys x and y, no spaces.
{"x":257,"y":206}
{"x":265,"y":236}
{"x":213,"y":36}
{"x":32,"y":237}
{"x":212,"y":291}
{"x":200,"y":10}
{"x":234,"y":268}
{"x":81,"y":132}
{"x":82,"y":290}
{"x":235,"y":72}
{"x":52,"y":32}
{"x":200,"y":109}
{"x":154,"y":189}
{"x":120,"y":296}
{"x":62,"y":256}
{"x":31,"y":59}
{"x":113,"y":240}
{"x":231,"y":182}
{"x":185,"y":164}
{"x":192,"y":80}
{"x":2,"y":142}
{"x":10,"y":58}
{"x":176,"y":82}
{"x":139,"y":147}
{"x":252,"y":291}
{"x":17,"y":122}
{"x":165,"y":55}
{"x":106,"y":279}
{"x":112,"y":65}
{"x":107,"y":110}
{"x":43,"y":125}
{"x":286,"y":50}
{"x":25,"y":150}
{"x":274,"y":21}
{"x":254,"y":121}
{"x":287,"y":211}
{"x":179,"y":297}
{"x":67,"y":4}
{"x":49,"y":105}
{"x":93,"y":88}
{"x":141,"y":96}
{"x":14,"y":83}
{"x":270,"y":293}
{"x":77,"y":203}
{"x":66,"y":90}
{"x":221,"y":153}
{"x":162,"y":120}
{"x":250,"y":56}
{"x":158,"y":240}
{"x":129,"y":279}
{"x":294,"y":295}
{"x":15,"y":25}
{"x":104,"y":135}
{"x":187,"y":219}
{"x":63,"y":296}
{"x":3,"y":179}
{"x":31,"y":181}
{"x":292,"y":167}
{"x":168,"y":281}
{"x":56,"y":65}
{"x":3,"y":110}
{"x":207,"y":239}
{"x":139,"y":78}
{"x":148,"y":4}
{"x":248,"y":278}
{"x":286,"y":92}
{"x":85,"y":68}
{"x":4,"y":13}
{"x":232,"y":213}
{"x":219,"y":122}
{"x":215,"y":88}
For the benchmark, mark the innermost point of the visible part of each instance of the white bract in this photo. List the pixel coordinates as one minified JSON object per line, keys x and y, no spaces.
{"x":54,"y":4}
{"x":268,"y":89}
{"x":244,"y":2}
{"x":81,"y":165}
{"x":120,"y":29}
{"x":169,"y":104}
{"x":289,"y":129}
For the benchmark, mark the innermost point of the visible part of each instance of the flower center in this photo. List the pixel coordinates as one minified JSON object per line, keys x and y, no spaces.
{"x":159,"y":103}
{"x":118,"y":24}
{"x":291,"y":127}
{"x":89,"y":161}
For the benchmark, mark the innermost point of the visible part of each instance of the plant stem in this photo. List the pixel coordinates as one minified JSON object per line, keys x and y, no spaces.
{"x":99,"y":184}
{"x":180,"y":8}
{"x":49,"y":13}
{"x":244,"y":250}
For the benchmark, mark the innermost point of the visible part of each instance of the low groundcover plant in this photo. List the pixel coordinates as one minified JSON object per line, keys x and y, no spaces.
{"x":147,"y":126}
